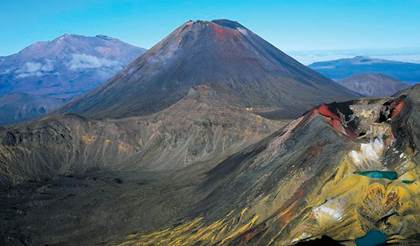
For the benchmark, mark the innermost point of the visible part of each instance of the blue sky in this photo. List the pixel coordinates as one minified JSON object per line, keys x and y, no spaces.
{"x":290,"y":25}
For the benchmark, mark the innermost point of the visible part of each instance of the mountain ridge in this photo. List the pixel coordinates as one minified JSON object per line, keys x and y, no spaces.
{"x":346,"y":67}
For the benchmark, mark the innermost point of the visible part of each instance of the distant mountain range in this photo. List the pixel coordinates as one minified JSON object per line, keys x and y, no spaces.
{"x":59,"y":70}
{"x":343,"y":68}
{"x":411,"y":55}
{"x":373,"y":84}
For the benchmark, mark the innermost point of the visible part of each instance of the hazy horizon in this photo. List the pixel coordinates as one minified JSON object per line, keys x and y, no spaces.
{"x":306,"y":57}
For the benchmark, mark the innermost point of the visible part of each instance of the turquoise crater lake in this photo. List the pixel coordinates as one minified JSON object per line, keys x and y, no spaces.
{"x":391,"y":175}
{"x":372,"y":238}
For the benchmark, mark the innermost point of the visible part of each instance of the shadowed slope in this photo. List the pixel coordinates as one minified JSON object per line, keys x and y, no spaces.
{"x":373,"y":84}
{"x":200,"y":127}
{"x":90,"y":178}
{"x":19,"y":107}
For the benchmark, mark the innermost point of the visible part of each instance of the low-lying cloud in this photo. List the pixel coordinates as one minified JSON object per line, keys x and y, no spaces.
{"x":34,"y":69}
{"x":84,"y":61}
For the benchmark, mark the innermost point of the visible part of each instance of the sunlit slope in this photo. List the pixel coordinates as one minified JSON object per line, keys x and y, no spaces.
{"x":327,"y":173}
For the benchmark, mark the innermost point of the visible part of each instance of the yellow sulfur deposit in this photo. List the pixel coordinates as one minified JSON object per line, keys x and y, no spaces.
{"x":197,"y":231}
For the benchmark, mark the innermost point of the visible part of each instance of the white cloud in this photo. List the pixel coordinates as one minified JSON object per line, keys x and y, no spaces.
{"x":34,"y":69}
{"x":48,"y":66}
{"x":31,"y":67}
{"x":84,"y":61}
{"x":24,"y":75}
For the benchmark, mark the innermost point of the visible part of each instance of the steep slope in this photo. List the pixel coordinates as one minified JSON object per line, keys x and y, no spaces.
{"x":339,"y":171}
{"x":64,"y":67}
{"x":17,"y":107}
{"x":221,"y":54}
{"x":373,"y":84}
{"x":343,"y":68}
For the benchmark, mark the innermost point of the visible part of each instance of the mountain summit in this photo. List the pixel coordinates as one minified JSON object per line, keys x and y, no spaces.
{"x":66,"y":66}
{"x":47,"y":74}
{"x":222,"y":54}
